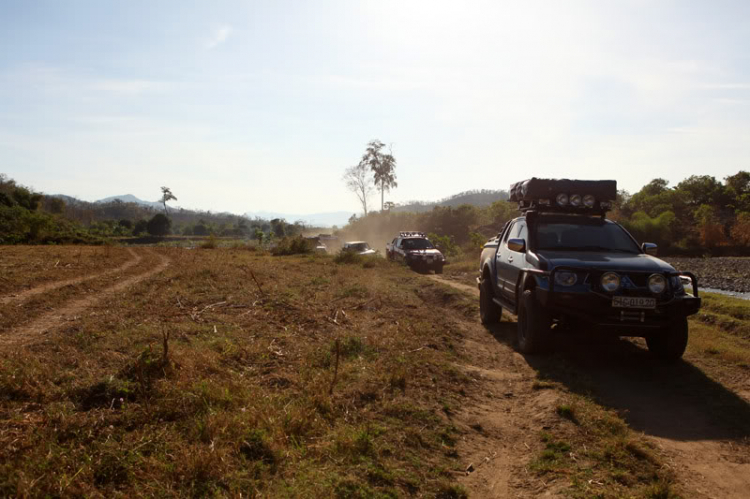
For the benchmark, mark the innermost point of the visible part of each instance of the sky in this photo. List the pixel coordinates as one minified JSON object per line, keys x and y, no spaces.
{"x":260,"y":105}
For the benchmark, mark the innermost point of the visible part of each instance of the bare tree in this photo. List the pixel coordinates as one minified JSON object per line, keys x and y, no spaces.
{"x":357,"y":181}
{"x":166,"y":195}
{"x":383,"y":167}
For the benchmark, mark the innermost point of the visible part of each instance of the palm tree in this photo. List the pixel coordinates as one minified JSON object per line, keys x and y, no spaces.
{"x":383,"y":167}
{"x":166,"y":195}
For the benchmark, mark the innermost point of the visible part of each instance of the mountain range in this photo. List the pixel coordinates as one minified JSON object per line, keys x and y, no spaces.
{"x":129,"y":198}
{"x":341,"y":218}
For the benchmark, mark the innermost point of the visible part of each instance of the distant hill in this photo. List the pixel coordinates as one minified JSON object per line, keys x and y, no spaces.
{"x":129,"y":198}
{"x":479,"y":198}
{"x":328,"y":219}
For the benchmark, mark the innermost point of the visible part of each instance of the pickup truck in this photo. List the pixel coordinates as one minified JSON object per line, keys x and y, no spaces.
{"x":415,"y":250}
{"x":562,"y":266}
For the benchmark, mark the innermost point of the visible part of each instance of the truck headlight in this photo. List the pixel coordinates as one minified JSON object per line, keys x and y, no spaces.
{"x":562,"y":199}
{"x":565,"y":278}
{"x":657,"y":283}
{"x":677,"y":284}
{"x":575,"y":200}
{"x":589,"y":201}
{"x":610,"y":281}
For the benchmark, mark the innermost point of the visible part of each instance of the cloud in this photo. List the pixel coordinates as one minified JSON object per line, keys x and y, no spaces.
{"x":219,"y":36}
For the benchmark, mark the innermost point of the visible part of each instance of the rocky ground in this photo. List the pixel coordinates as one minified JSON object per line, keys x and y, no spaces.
{"x":726,"y":273}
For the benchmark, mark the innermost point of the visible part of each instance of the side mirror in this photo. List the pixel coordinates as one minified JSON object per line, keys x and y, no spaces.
{"x":650,"y":248}
{"x":518,"y":245}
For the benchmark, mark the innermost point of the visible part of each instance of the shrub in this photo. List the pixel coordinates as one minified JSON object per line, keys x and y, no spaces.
{"x":159,"y":225}
{"x":209,"y":243}
{"x":293,"y":246}
{"x":348,"y":257}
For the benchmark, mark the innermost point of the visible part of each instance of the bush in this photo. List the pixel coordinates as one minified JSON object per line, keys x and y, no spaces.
{"x":348,"y":257}
{"x":159,"y":225}
{"x":293,"y":246}
{"x":209,"y":243}
{"x":140,"y":227}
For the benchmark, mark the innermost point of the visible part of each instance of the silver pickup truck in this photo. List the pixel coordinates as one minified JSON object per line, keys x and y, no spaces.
{"x":415,"y":250}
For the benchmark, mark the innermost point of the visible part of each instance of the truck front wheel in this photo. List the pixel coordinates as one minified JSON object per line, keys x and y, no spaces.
{"x":534,"y":324}
{"x":670,"y":343}
{"x":489,"y":312}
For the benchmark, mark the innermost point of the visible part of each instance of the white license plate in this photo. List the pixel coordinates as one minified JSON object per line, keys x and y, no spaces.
{"x":633,"y":302}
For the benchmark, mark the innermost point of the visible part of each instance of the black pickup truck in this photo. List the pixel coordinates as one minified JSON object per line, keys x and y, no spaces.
{"x":563,"y":266}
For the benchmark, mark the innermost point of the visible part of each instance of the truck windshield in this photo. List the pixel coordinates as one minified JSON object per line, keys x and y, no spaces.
{"x":591,"y":235}
{"x":417,"y":244}
{"x":360,"y":247}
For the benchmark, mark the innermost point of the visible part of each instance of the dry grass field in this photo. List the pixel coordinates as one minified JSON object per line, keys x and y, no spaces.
{"x":228,"y":372}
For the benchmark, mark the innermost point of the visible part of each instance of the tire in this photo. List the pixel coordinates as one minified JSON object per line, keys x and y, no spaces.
{"x":489,"y":311}
{"x":669,"y":344}
{"x":534,"y":325}
{"x":439,"y":269}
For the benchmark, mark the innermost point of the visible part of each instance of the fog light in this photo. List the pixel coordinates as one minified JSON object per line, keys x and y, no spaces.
{"x":562,"y":199}
{"x":657,"y":283}
{"x":575,"y":200}
{"x":565,"y":278}
{"x":610,"y":281}
{"x":589,"y":201}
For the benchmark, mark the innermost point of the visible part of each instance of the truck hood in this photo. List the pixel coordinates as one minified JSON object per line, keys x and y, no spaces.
{"x":623,"y":262}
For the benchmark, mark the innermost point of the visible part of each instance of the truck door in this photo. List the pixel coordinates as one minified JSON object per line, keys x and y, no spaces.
{"x":501,"y":259}
{"x":510,"y":263}
{"x":398,"y":252}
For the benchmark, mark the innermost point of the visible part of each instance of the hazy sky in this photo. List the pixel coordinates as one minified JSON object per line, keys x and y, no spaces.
{"x":246,"y":106}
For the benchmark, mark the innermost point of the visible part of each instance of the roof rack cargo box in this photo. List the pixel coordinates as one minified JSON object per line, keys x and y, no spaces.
{"x":546,"y":188}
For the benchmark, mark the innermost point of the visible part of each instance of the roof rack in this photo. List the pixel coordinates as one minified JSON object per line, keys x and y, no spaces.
{"x":592,"y":197}
{"x":411,"y":233}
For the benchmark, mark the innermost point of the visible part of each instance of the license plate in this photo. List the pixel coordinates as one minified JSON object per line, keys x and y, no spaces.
{"x":633,"y":302}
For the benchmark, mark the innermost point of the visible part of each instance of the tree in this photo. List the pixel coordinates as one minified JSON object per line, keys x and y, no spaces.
{"x":738,"y":191}
{"x":701,"y":190}
{"x":741,"y":229}
{"x":159,"y":225}
{"x":277,"y":227}
{"x":140,"y":227}
{"x":166,"y":195}
{"x":383,"y":167}
{"x":357,"y":181}
{"x":389,"y":205}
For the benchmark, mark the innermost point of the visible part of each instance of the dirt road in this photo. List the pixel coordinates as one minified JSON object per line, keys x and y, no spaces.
{"x":50,"y":286}
{"x":700,"y":426}
{"x":74,"y":307}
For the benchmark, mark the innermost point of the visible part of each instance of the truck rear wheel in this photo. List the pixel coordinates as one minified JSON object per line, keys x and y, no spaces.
{"x":670,"y":343}
{"x":489,"y":311}
{"x":534,"y":324}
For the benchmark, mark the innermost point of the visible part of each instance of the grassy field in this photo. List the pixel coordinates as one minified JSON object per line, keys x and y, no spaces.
{"x":235,"y":373}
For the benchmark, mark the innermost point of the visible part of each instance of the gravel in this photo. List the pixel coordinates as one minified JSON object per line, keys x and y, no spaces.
{"x":725,"y":273}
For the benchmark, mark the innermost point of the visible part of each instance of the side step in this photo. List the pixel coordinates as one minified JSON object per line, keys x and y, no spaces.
{"x":505,"y":304}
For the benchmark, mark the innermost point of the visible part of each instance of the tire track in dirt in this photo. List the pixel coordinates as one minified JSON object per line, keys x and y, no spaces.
{"x":51,"y":286}
{"x":707,"y":456}
{"x":498,"y":423}
{"x":56,"y":317}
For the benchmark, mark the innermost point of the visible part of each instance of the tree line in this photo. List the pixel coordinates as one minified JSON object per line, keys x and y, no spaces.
{"x":29,"y":217}
{"x":698,"y":216}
